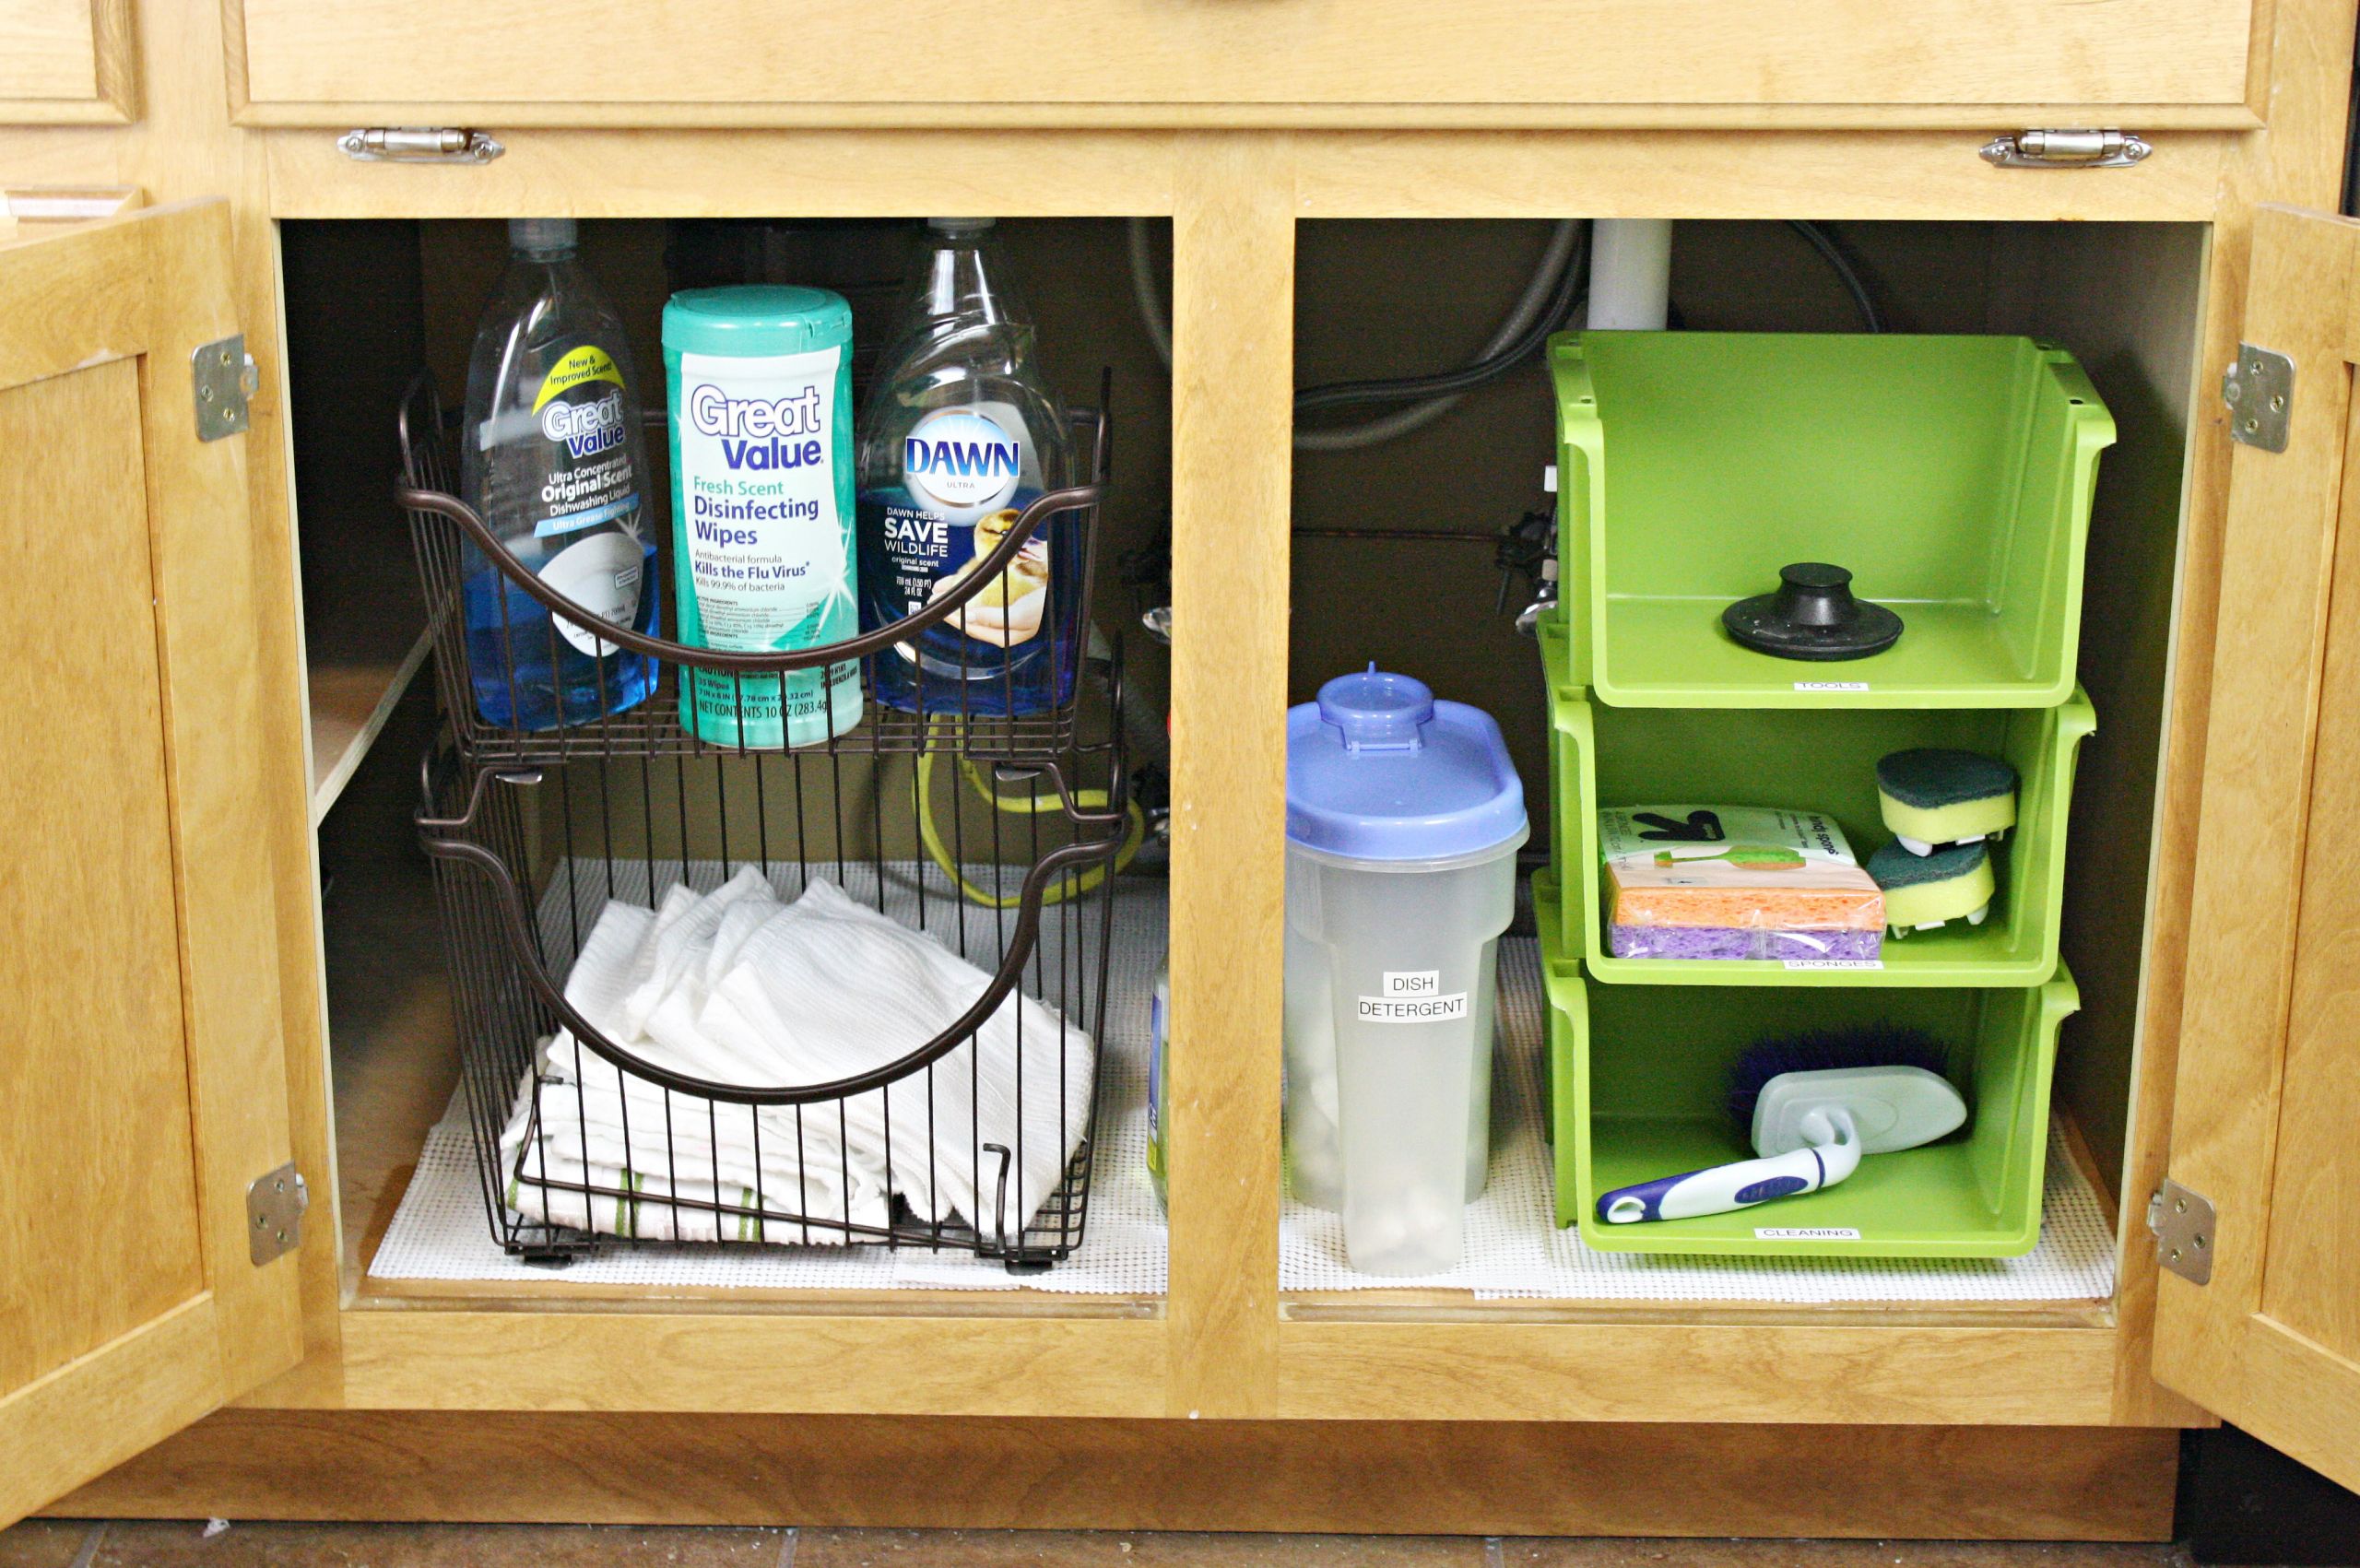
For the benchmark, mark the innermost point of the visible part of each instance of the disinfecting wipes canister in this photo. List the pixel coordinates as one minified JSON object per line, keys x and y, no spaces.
{"x":762,"y":505}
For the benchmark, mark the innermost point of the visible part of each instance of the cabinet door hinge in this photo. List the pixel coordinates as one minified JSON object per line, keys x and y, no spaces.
{"x":275,"y":1205}
{"x":2067,"y":149}
{"x":222,"y":377}
{"x":418,"y":144}
{"x":2183,"y":1223}
{"x":2259,"y":391}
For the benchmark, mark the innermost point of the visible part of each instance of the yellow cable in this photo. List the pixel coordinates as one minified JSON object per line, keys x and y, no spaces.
{"x":1073,"y":886}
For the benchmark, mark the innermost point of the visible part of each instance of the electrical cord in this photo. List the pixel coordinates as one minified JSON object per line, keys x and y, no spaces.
{"x":1541,"y":309}
{"x":1571,"y":287}
{"x":1825,"y":245}
{"x":1540,"y":305}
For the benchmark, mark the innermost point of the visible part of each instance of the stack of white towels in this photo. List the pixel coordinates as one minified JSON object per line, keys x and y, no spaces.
{"x":740,"y":987}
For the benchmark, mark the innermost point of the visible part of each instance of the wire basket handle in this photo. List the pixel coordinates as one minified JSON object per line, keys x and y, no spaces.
{"x":415,"y":497}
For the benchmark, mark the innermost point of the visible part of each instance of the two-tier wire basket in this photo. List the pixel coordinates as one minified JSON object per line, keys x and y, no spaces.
{"x":914,"y":1065}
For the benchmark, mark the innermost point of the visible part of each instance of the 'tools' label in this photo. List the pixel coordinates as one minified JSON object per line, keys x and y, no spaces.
{"x":1414,"y":996}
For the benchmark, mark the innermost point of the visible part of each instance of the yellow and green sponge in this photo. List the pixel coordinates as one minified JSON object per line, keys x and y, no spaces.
{"x":1931,"y":797}
{"x":1922,"y":892}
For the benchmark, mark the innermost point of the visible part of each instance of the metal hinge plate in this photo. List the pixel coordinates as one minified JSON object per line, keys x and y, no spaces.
{"x":275,"y":1206}
{"x":222,"y":377}
{"x":2183,"y":1223}
{"x":418,"y":144}
{"x":2259,"y":391}
{"x":2067,"y":149}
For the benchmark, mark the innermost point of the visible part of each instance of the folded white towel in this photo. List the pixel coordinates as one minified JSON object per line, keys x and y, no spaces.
{"x":838,"y":989}
{"x":544,"y":1192}
{"x":674,"y":954}
{"x":736,"y":987}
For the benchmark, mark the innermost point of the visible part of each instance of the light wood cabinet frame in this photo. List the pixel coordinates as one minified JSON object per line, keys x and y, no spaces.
{"x":1224,"y":1343}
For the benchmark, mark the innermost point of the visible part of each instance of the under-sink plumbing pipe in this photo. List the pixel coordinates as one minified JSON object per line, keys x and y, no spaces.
{"x":1630,"y":273}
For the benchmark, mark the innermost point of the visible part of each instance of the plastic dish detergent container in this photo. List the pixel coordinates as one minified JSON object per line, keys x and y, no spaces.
{"x":1403,"y":818}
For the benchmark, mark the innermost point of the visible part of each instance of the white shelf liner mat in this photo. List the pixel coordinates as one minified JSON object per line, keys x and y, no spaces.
{"x":1513,"y":1249}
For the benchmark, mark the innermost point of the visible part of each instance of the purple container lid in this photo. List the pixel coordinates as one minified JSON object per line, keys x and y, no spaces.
{"x":1377,"y":770}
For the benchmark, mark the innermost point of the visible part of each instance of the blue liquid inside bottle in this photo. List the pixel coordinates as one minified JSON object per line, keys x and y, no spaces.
{"x":528,"y":675}
{"x":552,"y":461}
{"x":943,"y":669}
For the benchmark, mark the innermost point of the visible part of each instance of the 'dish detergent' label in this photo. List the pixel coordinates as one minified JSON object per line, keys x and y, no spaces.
{"x":763,"y":537}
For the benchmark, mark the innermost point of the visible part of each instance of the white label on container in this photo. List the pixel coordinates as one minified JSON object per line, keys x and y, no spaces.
{"x":1413,"y":1008}
{"x":763,"y":541}
{"x":1835,"y":963}
{"x":1831,"y":686}
{"x":1413,"y":981}
{"x":1805,"y":1234}
{"x":600,"y":573}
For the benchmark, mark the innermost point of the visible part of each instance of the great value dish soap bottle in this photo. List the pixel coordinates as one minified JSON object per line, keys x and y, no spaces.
{"x":551,"y":460}
{"x":960,"y":433}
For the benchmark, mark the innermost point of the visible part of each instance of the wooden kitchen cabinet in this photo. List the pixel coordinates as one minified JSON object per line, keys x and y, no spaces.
{"x":66,"y":61}
{"x":2214,"y":650}
{"x":1207,"y":63}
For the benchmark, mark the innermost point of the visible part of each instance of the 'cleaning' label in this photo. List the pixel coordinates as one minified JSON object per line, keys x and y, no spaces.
{"x":1805,"y":1234}
{"x":1414,"y":996}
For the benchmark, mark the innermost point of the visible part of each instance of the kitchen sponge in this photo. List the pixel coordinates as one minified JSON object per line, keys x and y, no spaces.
{"x":1930,"y":796}
{"x":1922,"y":892}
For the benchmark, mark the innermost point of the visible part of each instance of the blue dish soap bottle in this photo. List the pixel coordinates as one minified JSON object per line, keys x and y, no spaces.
{"x":962,"y":432}
{"x":551,"y":460}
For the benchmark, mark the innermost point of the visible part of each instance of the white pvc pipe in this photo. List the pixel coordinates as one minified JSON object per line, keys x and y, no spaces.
{"x":1630,"y":273}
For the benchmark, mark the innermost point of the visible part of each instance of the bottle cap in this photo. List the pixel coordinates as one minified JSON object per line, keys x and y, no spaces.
{"x":958,"y":225}
{"x":1378,"y":770}
{"x":754,"y":320}
{"x":541,"y":233}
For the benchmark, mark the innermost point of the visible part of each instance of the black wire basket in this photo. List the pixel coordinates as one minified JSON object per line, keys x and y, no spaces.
{"x":970,"y":699}
{"x":915,"y":1062}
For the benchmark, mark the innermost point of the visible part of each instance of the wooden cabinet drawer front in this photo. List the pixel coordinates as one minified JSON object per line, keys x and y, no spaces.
{"x":954,"y":60}
{"x":64,"y":62}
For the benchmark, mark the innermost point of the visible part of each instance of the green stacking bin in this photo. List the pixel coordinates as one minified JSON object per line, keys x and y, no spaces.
{"x":1639,"y":1086}
{"x":1823,"y":761}
{"x":1950,"y":475}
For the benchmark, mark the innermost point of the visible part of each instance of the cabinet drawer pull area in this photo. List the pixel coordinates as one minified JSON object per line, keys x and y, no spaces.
{"x":2067,"y":149}
{"x":418,"y":144}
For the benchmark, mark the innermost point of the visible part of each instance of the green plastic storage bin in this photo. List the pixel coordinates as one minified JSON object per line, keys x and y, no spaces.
{"x":1823,"y":761}
{"x":1639,"y":1088}
{"x":1951,"y":476}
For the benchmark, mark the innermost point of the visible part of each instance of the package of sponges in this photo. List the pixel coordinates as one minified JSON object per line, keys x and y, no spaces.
{"x":1735,"y":882}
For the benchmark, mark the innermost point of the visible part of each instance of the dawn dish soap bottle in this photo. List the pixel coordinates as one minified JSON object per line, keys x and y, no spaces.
{"x":551,"y":461}
{"x":960,"y":433}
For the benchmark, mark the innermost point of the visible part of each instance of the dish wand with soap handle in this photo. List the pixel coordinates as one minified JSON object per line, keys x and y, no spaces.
{"x":1813,"y":1105}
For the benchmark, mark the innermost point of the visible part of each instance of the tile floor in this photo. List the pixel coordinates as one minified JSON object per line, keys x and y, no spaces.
{"x":60,"y":1543}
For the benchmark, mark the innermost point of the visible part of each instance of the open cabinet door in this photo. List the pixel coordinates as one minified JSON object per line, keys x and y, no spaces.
{"x":143,"y":1088}
{"x":2258,"y":1313}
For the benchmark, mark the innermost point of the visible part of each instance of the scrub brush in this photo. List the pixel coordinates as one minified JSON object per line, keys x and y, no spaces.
{"x":1813,"y":1104}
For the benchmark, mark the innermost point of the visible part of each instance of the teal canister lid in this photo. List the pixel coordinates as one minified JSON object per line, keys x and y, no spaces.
{"x":755,"y":318}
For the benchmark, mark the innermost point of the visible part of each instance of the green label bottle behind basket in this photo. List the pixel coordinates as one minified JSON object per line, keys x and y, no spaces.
{"x":763,"y":506}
